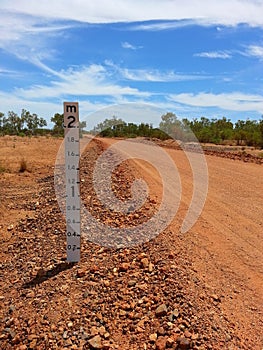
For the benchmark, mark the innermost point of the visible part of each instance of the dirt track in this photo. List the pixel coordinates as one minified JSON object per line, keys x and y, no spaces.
{"x":226,"y":243}
{"x":217,"y":265}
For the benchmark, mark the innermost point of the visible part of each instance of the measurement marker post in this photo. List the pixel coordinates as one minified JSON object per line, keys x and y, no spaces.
{"x":72,"y":157}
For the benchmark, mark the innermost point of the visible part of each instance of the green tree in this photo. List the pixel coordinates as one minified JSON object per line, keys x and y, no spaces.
{"x":132,"y":130}
{"x":205,"y":129}
{"x":14,"y":123}
{"x":221,"y":129}
{"x":82,"y":126}
{"x":32,"y":122}
{"x":240,"y":134}
{"x":172,"y":126}
{"x":58,"y":120}
{"x":108,"y":123}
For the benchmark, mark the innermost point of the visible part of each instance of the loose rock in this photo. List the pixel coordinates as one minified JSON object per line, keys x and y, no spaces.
{"x":161,"y":310}
{"x":161,"y":343}
{"x":95,"y":342}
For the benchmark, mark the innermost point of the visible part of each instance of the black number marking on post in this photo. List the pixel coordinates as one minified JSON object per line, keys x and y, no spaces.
{"x":73,"y":120}
{"x":73,"y":191}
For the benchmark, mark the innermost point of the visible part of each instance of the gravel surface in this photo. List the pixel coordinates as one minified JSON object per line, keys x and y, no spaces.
{"x":144,"y":297}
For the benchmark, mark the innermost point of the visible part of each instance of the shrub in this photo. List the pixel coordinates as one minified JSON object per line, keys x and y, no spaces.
{"x":23,"y":166}
{"x":2,"y":169}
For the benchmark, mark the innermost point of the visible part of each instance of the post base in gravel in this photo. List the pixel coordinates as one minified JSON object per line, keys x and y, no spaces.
{"x":72,"y":156}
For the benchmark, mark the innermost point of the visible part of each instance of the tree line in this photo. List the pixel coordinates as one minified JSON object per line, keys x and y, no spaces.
{"x":217,"y":131}
{"x":116,"y":127}
{"x":24,"y":124}
{"x":27,"y":124}
{"x":242,"y":132}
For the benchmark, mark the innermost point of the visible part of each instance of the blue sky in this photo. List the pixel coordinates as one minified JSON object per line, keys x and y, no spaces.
{"x":194,"y":58}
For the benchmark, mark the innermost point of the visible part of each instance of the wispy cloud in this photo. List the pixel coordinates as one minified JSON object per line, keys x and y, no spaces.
{"x":30,"y":38}
{"x":127,"y":45}
{"x":14,"y":26}
{"x":225,"y":12}
{"x":163,"y":25}
{"x":13,"y":102}
{"x":48,"y":108}
{"x":93,"y":80}
{"x":153,"y":75}
{"x":9,"y":73}
{"x":234,"y":101}
{"x":254,"y":51}
{"x":214,"y":54}
{"x":149,"y":75}
{"x":27,"y":29}
{"x":249,"y":51}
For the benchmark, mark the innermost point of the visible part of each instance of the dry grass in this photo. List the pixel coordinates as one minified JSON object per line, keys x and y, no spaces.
{"x":23,"y":154}
{"x":3,"y":169}
{"x":23,"y":166}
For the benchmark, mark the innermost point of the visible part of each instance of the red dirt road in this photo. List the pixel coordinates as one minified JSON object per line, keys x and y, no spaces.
{"x":226,"y":242}
{"x":213,"y":274}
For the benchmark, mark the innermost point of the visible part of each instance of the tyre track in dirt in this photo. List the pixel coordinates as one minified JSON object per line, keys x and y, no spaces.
{"x":226,"y":242}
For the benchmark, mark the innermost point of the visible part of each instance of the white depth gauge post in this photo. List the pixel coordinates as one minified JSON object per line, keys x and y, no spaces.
{"x":72,"y":157}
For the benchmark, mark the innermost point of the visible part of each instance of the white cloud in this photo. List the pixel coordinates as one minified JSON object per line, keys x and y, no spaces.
{"x":127,"y":45}
{"x":9,"y":73}
{"x":27,"y":37}
{"x":163,"y":25}
{"x":249,"y":51}
{"x":28,"y":27}
{"x":158,"y":76}
{"x":255,"y":51}
{"x":90,"y":80}
{"x":225,"y":12}
{"x":47,"y":109}
{"x":235,"y":101}
{"x":14,"y":26}
{"x":9,"y":101}
{"x":153,"y":75}
{"x":214,"y":54}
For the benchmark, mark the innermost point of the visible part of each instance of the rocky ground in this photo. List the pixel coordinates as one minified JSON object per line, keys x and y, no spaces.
{"x":245,"y":154}
{"x":144,"y":297}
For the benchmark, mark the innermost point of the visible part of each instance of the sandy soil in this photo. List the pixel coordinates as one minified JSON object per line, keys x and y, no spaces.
{"x":217,"y":264}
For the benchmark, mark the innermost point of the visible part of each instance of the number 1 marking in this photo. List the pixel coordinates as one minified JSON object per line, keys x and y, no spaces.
{"x":73,"y":191}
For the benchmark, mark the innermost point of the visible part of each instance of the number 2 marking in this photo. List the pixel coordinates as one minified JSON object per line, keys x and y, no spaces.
{"x":73,"y":119}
